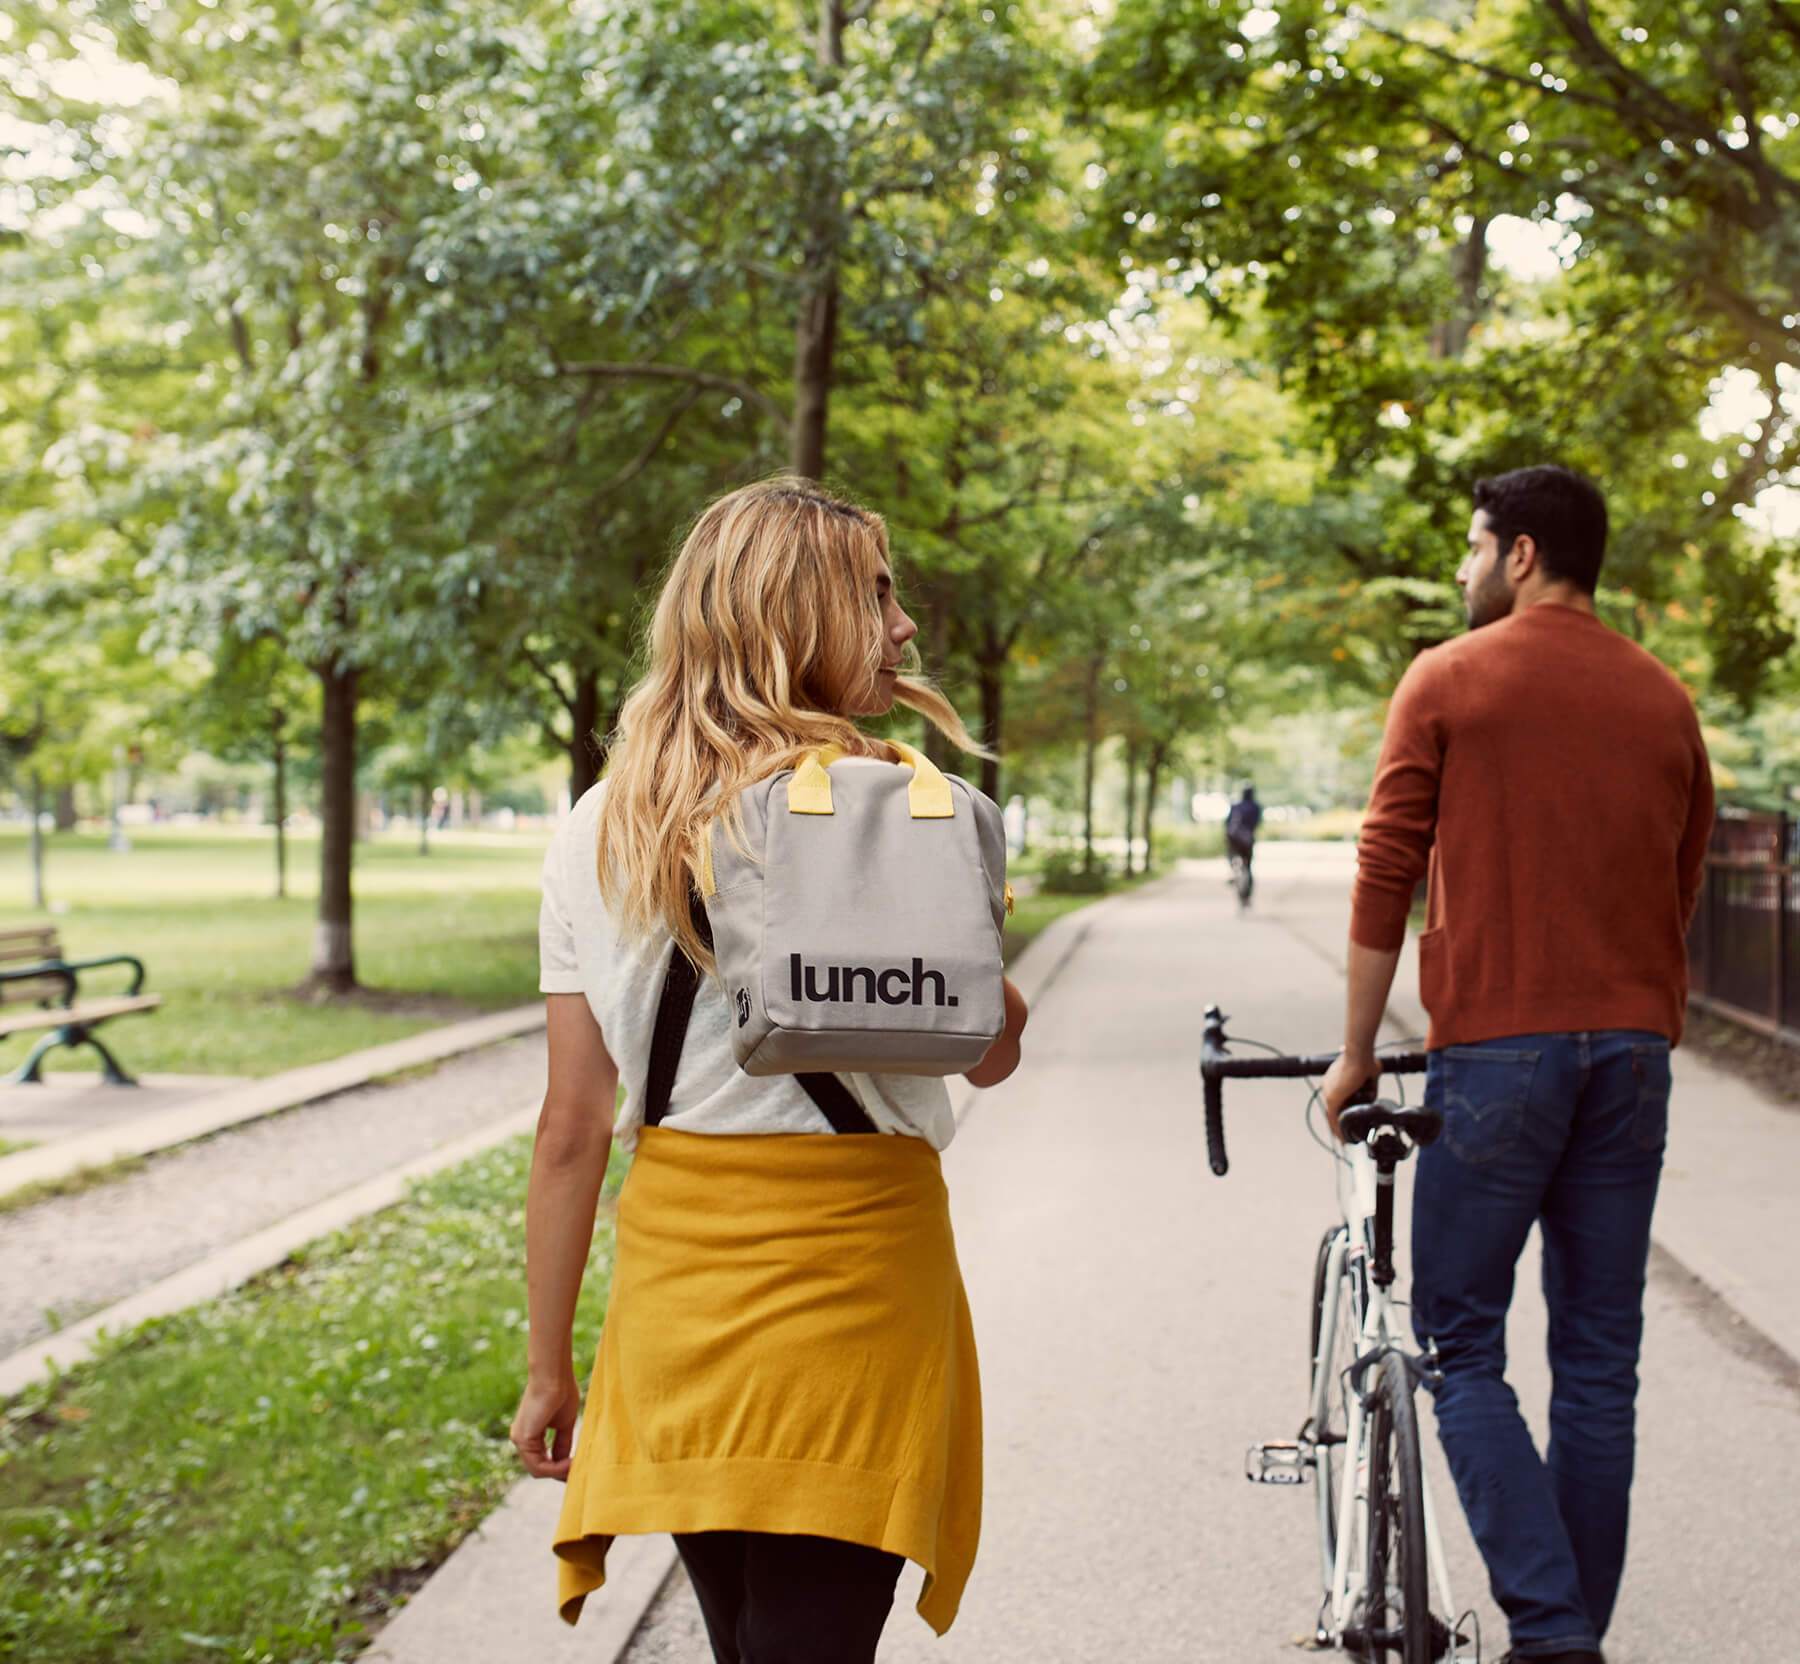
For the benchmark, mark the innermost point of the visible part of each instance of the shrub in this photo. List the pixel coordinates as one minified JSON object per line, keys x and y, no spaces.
{"x":1189,"y":843}
{"x":1063,"y":875}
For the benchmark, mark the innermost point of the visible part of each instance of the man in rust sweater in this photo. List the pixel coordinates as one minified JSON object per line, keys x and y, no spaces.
{"x":1550,"y":777}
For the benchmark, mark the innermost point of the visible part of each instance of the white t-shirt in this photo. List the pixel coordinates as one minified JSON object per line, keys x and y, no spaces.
{"x":582,"y":951}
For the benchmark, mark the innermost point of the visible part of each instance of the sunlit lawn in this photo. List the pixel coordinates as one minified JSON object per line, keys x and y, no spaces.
{"x":450,"y":933}
{"x":1032,"y":916}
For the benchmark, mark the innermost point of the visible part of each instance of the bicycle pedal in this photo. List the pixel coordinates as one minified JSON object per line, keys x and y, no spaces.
{"x":1279,"y":1462}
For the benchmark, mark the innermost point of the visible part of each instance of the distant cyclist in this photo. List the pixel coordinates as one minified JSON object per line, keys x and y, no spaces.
{"x":1240,"y":836}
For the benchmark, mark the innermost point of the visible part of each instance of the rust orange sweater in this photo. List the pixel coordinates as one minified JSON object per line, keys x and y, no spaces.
{"x":1553,"y":776}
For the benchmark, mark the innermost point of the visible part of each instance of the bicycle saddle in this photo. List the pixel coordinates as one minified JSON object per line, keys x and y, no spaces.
{"x":1420,"y":1125}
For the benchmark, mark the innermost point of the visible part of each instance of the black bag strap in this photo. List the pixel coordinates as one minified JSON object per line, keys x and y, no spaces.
{"x":834,"y":1099}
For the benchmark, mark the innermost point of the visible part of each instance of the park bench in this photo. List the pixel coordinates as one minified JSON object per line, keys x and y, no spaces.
{"x":39,"y":990}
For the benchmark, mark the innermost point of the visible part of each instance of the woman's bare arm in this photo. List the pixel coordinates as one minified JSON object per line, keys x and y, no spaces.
{"x":568,"y":1167}
{"x":1003,"y":1056}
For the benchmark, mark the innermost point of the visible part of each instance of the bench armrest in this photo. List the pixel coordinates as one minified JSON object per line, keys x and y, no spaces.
{"x":69,"y":969}
{"x":131,"y":959}
{"x":45,"y":968}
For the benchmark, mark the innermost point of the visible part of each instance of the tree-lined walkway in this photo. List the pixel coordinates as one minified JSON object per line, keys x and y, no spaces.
{"x":1141,"y":1322}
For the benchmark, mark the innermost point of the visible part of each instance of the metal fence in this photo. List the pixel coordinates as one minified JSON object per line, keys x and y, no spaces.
{"x":1744,"y":947}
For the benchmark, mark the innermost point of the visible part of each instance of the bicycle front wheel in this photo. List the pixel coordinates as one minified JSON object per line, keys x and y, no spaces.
{"x":1396,"y":1604}
{"x":1337,"y":1355}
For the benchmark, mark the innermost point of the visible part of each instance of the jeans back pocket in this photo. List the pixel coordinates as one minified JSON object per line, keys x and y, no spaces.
{"x":1482,"y":1091}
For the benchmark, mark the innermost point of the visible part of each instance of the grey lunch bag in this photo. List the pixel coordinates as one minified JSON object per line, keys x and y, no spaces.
{"x":859,"y":927}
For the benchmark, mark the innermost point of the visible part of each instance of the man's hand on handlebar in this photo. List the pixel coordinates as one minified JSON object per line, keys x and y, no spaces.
{"x":1344,"y":1080}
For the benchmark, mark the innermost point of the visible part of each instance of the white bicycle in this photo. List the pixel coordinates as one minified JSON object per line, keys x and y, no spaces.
{"x":1386,"y":1584}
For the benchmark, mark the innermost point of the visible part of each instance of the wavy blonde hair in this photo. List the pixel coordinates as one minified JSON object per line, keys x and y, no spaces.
{"x":766,"y":632}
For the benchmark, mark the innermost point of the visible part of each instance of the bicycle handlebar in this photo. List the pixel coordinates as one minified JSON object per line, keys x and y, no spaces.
{"x":1217,"y":1066}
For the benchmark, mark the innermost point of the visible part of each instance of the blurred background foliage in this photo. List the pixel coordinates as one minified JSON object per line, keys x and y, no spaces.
{"x":363,"y":363}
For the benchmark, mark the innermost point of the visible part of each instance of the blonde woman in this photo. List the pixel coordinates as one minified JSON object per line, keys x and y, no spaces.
{"x":786,"y":1380}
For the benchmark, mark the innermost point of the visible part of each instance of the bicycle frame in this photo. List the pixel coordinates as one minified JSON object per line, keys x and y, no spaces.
{"x":1360,"y":1258}
{"x":1351,"y":1249}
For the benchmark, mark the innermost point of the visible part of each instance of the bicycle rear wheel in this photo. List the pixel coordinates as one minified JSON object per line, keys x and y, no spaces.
{"x":1395,"y":1620}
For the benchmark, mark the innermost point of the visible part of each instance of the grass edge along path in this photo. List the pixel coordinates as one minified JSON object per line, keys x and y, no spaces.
{"x":90,"y":1177}
{"x":1034,"y":914}
{"x":258,"y":1477}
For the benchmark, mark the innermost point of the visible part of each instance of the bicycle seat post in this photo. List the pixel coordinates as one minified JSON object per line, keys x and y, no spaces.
{"x":1387,"y":1150}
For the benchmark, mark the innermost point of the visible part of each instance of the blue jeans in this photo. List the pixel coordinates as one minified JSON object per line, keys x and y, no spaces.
{"x":1565,"y":1131}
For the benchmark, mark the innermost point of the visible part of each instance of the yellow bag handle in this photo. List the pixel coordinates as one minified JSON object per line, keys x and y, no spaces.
{"x":928,"y":796}
{"x":809,"y":786}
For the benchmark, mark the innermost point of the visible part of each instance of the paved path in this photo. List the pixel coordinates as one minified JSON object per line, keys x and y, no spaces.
{"x":71,"y":1255}
{"x":127,"y":1121}
{"x":1141,"y":1322}
{"x":65,"y":1104}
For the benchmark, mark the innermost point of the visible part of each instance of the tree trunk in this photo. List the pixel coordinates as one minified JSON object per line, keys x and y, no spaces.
{"x":65,"y":808}
{"x":603,"y":737}
{"x":815,"y":345}
{"x":334,"y":965}
{"x":938,"y":748}
{"x":1130,"y":803}
{"x":279,"y":722}
{"x":1468,"y":267}
{"x":38,"y":899}
{"x":815,"y":332}
{"x":1091,"y":707}
{"x":1152,"y":779}
{"x":584,"y":743}
{"x":424,"y":819}
{"x":991,"y":680}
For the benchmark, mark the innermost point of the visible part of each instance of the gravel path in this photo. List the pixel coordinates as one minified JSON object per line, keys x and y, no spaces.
{"x":72,"y":1255}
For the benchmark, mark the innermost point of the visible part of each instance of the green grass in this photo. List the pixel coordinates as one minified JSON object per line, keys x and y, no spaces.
{"x":439,"y":936}
{"x":1032,"y":916}
{"x":254,"y":1478}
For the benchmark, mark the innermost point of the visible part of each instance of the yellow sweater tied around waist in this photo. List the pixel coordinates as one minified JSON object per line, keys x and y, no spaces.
{"x":787,"y":1349}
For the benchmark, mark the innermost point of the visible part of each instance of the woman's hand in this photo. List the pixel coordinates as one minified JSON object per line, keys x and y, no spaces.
{"x":549,"y":1406}
{"x":568,"y":1167}
{"x":1003,"y":1056}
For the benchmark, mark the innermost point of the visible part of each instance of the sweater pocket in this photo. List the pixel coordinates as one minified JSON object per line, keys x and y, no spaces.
{"x":1433,"y":971}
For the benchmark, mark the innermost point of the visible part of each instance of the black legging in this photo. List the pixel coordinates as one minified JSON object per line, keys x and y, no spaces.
{"x":789,"y":1600}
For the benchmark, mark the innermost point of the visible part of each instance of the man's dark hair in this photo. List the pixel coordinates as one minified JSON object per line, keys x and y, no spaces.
{"x":1561,"y":511}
